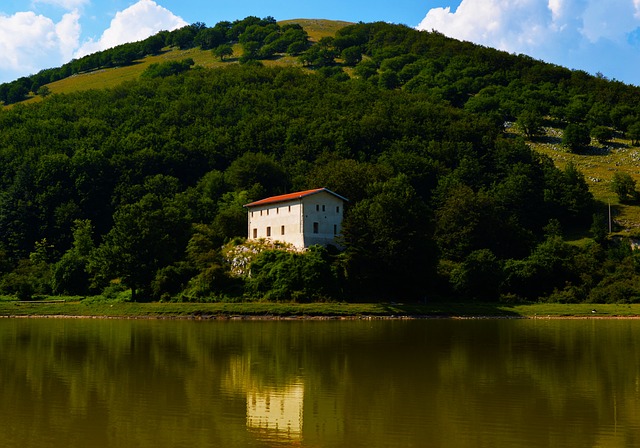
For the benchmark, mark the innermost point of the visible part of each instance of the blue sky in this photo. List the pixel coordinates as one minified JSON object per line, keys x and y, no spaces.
{"x":599,"y":36}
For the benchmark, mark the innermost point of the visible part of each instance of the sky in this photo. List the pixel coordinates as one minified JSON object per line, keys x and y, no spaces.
{"x":598,"y":36}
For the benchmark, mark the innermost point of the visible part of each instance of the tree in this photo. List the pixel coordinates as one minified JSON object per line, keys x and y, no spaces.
{"x":624,"y":186}
{"x":323,"y":54}
{"x":599,"y":229}
{"x":169,"y":68}
{"x":634,"y":133}
{"x":146,"y":236}
{"x":576,"y":137}
{"x":223,"y":51}
{"x":44,"y":91}
{"x":388,"y":238}
{"x":257,"y":168}
{"x":388,"y":79}
{"x":69,"y":275}
{"x":530,"y":122}
{"x":183,"y":38}
{"x":351,"y":56}
{"x":152,"y":45}
{"x":283,"y":275}
{"x":250,"y":51}
{"x":549,"y":267}
{"x":602,"y":134}
{"x":297,"y":47}
{"x":208,"y":38}
{"x":366,"y":68}
{"x":479,"y":276}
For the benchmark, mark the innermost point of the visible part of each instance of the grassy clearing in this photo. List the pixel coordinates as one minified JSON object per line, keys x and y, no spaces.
{"x":75,"y":307}
{"x":598,"y":164}
{"x":112,"y":77}
{"x":317,"y":28}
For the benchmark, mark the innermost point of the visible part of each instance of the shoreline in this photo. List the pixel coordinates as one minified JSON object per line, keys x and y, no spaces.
{"x":312,"y":318}
{"x":73,"y":308}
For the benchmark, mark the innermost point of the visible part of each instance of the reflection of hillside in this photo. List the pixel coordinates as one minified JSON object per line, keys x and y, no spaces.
{"x":319,"y":384}
{"x":276,"y":414}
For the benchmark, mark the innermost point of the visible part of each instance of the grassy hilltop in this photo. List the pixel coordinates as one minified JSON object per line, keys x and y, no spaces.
{"x":111,"y":77}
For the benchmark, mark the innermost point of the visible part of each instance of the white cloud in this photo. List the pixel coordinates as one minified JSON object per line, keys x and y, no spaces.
{"x":506,"y":24}
{"x":586,"y":34}
{"x":555,"y":6}
{"x":29,"y":42}
{"x":135,"y":23}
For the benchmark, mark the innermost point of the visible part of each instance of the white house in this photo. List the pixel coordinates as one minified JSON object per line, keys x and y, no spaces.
{"x":303,"y":218}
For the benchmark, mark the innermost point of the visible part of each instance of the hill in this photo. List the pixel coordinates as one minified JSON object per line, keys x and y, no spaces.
{"x":598,"y":170}
{"x":101,"y":78}
{"x":140,"y":187}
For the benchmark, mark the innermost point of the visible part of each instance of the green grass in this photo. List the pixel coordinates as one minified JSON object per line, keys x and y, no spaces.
{"x":598,"y":164}
{"x":112,"y":77}
{"x":74,"y":307}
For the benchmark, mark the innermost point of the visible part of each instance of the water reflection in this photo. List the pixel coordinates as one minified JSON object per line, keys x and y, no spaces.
{"x":68,"y":383}
{"x":276,"y":414}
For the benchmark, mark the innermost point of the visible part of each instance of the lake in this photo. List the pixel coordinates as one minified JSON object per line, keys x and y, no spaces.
{"x":365,"y":383}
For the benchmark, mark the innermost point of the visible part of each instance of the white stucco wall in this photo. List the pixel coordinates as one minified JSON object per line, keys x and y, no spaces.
{"x":298,"y":217}
{"x":326,"y":210}
{"x":274,"y":216}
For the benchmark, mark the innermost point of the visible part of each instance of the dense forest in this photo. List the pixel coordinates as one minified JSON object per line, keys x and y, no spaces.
{"x":138,"y":191}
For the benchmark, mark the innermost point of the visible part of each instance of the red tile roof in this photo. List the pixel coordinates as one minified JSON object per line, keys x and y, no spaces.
{"x":291,"y":196}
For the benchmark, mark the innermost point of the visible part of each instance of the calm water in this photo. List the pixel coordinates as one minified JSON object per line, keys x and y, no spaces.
{"x":432,"y":383}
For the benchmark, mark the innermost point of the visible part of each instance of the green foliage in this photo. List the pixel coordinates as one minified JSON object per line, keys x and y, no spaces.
{"x":547,"y":268}
{"x":634,"y":133}
{"x":256,"y":168}
{"x":44,"y":91}
{"x":223,"y":51}
{"x":599,"y":228}
{"x":351,"y":56}
{"x":624,"y":186}
{"x":323,"y":54}
{"x":388,"y":243}
{"x":602,"y":134}
{"x":69,"y":274}
{"x":530,"y":122}
{"x":291,"y":276}
{"x":169,"y":68}
{"x":239,"y":254}
{"x":479,"y":276}
{"x":147,"y":235}
{"x":576,"y":137}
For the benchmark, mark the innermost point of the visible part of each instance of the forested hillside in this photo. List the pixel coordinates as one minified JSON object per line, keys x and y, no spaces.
{"x":141,"y":186}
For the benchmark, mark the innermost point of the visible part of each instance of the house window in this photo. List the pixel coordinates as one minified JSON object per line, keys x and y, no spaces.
{"x":317,"y":207}
{"x":323,"y":208}
{"x":315,"y":227}
{"x":337,"y":209}
{"x":267,"y":212}
{"x":282,"y":230}
{"x":255,"y":233}
{"x":268,"y":231}
{"x":335,"y":229}
{"x":252,"y":214}
{"x":260,"y":212}
{"x":289,"y":209}
{"x":277,"y":210}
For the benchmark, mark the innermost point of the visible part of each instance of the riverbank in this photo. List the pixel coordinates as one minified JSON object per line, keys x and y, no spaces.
{"x":259,"y":310}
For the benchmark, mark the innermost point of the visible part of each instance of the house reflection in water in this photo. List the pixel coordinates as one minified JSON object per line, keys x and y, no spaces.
{"x":275,"y":414}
